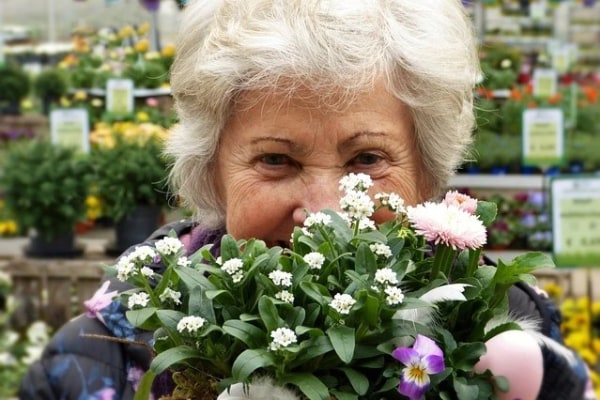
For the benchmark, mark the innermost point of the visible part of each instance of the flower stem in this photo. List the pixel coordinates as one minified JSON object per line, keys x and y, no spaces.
{"x":474,"y":256}
{"x":442,"y":261}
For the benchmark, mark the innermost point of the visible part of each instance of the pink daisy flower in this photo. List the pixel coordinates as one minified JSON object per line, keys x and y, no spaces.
{"x":447,"y":224}
{"x":460,"y":200}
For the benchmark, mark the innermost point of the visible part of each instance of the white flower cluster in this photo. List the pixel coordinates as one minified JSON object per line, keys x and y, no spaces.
{"x":342,"y":303}
{"x":286,"y":296}
{"x":281,"y":278}
{"x":387,"y":279}
{"x":183,"y":261}
{"x":233,"y":267}
{"x":127,"y":266}
{"x":282,"y":337}
{"x":356,"y":202}
{"x":314,"y":259}
{"x":169,"y":245}
{"x":190,"y":324}
{"x":140,"y":299}
{"x":393,"y":201}
{"x":318,"y":218}
{"x":170,"y":294}
{"x":381,"y":249}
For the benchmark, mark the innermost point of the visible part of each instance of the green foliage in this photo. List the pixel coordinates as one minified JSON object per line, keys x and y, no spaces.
{"x":242,"y":306}
{"x":51,"y":83}
{"x":148,"y":74}
{"x":132,"y":172}
{"x":45,"y":186}
{"x":14,"y":83}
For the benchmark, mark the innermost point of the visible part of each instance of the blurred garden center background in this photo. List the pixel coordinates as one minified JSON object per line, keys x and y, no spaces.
{"x":85,"y":106}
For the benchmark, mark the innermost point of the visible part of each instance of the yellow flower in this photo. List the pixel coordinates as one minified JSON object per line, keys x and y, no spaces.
{"x":596,"y":308}
{"x":97,"y":102}
{"x":125,"y":32}
{"x":588,"y":356}
{"x":152,"y":55}
{"x":143,"y":28}
{"x":168,"y":51}
{"x":554,"y":290}
{"x":142,"y":46}
{"x":26,"y":104}
{"x":142,"y":116}
{"x":80,"y":95}
{"x":8,"y":228}
{"x":64,"y":102}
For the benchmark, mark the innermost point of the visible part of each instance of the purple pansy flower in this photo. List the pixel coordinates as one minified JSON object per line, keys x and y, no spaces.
{"x":424,"y":358}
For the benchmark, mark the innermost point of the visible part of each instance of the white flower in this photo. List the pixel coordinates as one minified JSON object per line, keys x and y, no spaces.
{"x":366,"y":223}
{"x":138,"y":299}
{"x":282,"y":337}
{"x":169,"y":245}
{"x":286,"y":296}
{"x":232,"y":266}
{"x":386,"y":276}
{"x":393,"y":201}
{"x":317,"y":218}
{"x":143,"y":254}
{"x":147,"y":272}
{"x":37,"y":333}
{"x":353,"y":182}
{"x":342,"y":303}
{"x":183,"y":261}
{"x":219,"y":260}
{"x":125,"y":268}
{"x":281,"y":278}
{"x":381,"y":249}
{"x":5,"y":278}
{"x":170,"y":294}
{"x":190,"y":323}
{"x":358,"y":205}
{"x":394,"y":295}
{"x":237,"y":277}
{"x":314,"y":259}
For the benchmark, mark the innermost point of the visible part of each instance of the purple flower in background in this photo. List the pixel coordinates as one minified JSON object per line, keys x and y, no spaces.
{"x":537,"y":199}
{"x":151,"y":5}
{"x":589,"y":3}
{"x":424,"y":358}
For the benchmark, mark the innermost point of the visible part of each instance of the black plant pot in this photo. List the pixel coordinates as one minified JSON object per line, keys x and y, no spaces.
{"x":135,"y":227}
{"x":61,"y":246}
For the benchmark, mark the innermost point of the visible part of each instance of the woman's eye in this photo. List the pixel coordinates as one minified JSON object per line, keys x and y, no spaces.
{"x":365,"y":159}
{"x":275,"y":159}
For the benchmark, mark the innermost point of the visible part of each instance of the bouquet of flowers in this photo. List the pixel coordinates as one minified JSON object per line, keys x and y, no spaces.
{"x":350,"y":310}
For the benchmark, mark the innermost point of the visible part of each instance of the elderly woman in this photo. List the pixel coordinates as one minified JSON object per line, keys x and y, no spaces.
{"x":278,"y":99}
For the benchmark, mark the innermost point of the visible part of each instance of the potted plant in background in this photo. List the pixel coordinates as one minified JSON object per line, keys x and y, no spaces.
{"x":130,"y":178}
{"x":50,"y":85}
{"x":45,"y":187}
{"x":14,"y":87}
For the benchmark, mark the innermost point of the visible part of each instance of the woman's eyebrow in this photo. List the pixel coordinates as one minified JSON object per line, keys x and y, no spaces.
{"x":360,"y":136}
{"x":293,"y":146}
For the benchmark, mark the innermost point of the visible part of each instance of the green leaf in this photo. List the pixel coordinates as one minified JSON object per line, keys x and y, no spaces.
{"x":365,"y":261}
{"x":193,"y":278}
{"x":229,"y":248}
{"x":199,"y":304}
{"x":317,"y":292}
{"x":486,"y":210}
{"x":251,"y":335}
{"x":223,"y":297}
{"x":144,"y":386}
{"x":142,"y":317}
{"x":312,"y":348}
{"x":311,"y":386}
{"x":343,"y":341}
{"x":343,"y":395}
{"x":170,"y":318}
{"x":359,"y":382}
{"x":172,"y":356}
{"x":464,"y":390}
{"x":268,"y":313}
{"x":249,"y":361}
{"x":466,"y":355}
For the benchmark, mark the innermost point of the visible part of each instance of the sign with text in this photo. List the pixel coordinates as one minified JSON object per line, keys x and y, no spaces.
{"x":70,"y":127}
{"x":119,"y":96}
{"x":543,"y":137}
{"x":544,"y":82}
{"x":562,"y":58}
{"x":575,"y":205}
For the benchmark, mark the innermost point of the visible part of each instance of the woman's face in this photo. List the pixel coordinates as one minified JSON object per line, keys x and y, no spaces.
{"x":279,"y":158}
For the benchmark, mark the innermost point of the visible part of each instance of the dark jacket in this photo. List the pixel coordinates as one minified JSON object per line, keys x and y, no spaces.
{"x":80,"y":363}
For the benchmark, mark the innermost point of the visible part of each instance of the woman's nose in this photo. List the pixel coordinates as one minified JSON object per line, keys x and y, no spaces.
{"x":315,"y":195}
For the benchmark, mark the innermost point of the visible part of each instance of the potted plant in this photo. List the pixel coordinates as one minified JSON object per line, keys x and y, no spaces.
{"x":45,"y":187}
{"x":14,"y":87}
{"x":130,"y":178}
{"x":50,"y":85}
